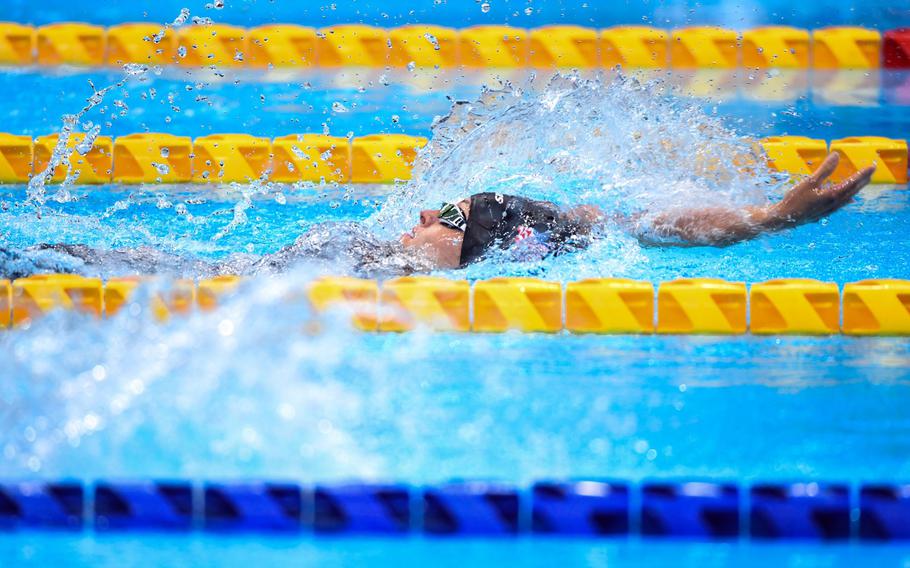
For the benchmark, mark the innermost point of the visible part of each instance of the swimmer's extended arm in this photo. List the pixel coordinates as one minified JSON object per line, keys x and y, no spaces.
{"x":807,"y":201}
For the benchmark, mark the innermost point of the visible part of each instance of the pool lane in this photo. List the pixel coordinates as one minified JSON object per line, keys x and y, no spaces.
{"x":818,"y":104}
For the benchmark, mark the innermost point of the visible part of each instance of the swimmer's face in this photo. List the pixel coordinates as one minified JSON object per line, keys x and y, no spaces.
{"x":438,"y":243}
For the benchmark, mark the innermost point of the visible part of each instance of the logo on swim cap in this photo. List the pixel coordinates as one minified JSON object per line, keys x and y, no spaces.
{"x":498,"y":197}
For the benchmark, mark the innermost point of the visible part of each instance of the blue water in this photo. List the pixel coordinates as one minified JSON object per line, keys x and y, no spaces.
{"x":865,"y":240}
{"x":243,"y":393}
{"x":884,"y":14}
{"x":156,"y":550}
{"x":819,"y":104}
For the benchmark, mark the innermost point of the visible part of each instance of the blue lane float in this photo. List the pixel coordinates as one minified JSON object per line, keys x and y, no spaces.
{"x":884,"y":512}
{"x":580,"y":508}
{"x":471,"y":509}
{"x":690,"y":510}
{"x":144,"y":505}
{"x":815,"y":511}
{"x":40,"y":505}
{"x":362,"y":508}
{"x":252,"y":507}
{"x":695,"y":510}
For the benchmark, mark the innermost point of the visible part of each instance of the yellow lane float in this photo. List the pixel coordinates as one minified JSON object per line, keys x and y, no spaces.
{"x":610,"y":305}
{"x":798,"y":306}
{"x":384,"y":158}
{"x":423,"y":301}
{"x":858,"y":152}
{"x":93,"y":167}
{"x":352,"y":46}
{"x":311,"y":157}
{"x":634,"y":46}
{"x":212,"y":44}
{"x":211,"y":291}
{"x":174,"y":298}
{"x":17,"y":44}
{"x":424,"y":46}
{"x":494,"y":46}
{"x":846,"y":47}
{"x":6,"y":303}
{"x":152,"y":158}
{"x":776,"y":46}
{"x":141,"y":43}
{"x":794,"y":154}
{"x":281,"y":45}
{"x":877,"y":307}
{"x":703,"y":47}
{"x":231,"y":158}
{"x":525,"y":304}
{"x":357,"y":297}
{"x":701,"y":305}
{"x":567,"y":47}
{"x":71,"y":44}
{"x":16,"y":154}
{"x":37,"y":295}
{"x":607,"y":305}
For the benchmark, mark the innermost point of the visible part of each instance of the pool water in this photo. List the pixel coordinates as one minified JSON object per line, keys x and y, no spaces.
{"x":246,"y":392}
{"x":156,"y":550}
{"x":816,"y":103}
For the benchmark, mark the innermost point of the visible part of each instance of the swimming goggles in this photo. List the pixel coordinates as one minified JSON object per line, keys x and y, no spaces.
{"x":452,"y":216}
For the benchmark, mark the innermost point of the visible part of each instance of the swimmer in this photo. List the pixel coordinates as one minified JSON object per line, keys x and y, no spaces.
{"x":458,"y":234}
{"x":463,"y":231}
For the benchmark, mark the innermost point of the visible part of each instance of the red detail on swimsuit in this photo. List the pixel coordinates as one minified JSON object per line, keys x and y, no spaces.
{"x":524,"y":232}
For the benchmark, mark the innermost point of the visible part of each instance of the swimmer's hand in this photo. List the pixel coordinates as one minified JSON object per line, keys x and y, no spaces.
{"x":807,"y":201}
{"x":812,"y":199}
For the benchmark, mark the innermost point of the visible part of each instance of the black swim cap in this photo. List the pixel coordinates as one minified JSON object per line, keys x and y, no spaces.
{"x":496,"y":219}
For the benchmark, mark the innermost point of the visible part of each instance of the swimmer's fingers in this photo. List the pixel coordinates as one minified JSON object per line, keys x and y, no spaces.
{"x":825,"y":170}
{"x":840,"y":194}
{"x":844,"y":192}
{"x":821,"y":173}
{"x":803,"y":198}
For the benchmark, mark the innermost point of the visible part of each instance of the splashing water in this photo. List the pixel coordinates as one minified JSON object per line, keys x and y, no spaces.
{"x":100,"y":402}
{"x":62,"y":153}
{"x":248,"y":389}
{"x":623,"y":145}
{"x":628,"y":147}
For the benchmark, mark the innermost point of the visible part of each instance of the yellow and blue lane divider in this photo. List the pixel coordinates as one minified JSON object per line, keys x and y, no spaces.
{"x":695,"y":509}
{"x":796,"y":306}
{"x":379,"y":158}
{"x":556,"y":46}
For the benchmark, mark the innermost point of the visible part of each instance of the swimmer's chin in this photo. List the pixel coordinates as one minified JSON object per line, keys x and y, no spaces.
{"x":407,"y":239}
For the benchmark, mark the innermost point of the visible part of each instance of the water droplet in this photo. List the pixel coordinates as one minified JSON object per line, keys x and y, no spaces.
{"x":411,"y":65}
{"x":181,"y":51}
{"x":165,"y":152}
{"x":181,"y":18}
{"x":432,"y":39}
{"x":485,"y":7}
{"x":135,"y":69}
{"x":338,"y":107}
